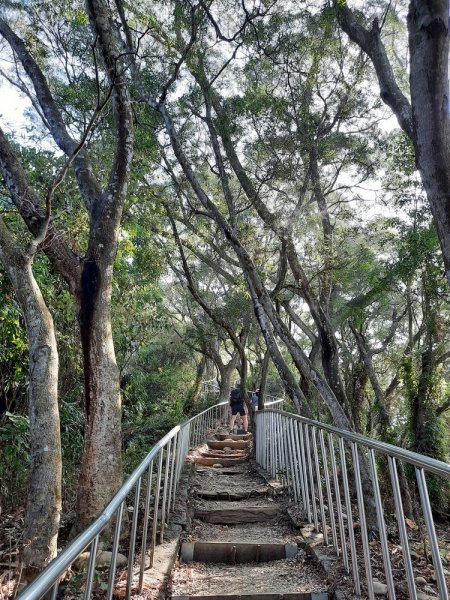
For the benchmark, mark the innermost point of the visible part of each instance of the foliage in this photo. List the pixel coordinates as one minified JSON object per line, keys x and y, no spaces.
{"x":14,"y":452}
{"x":292,"y":89}
{"x":155,"y":391}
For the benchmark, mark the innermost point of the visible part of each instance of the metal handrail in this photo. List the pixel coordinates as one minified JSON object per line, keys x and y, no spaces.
{"x":287,"y":447}
{"x":168,"y":454}
{"x":170,"y":450}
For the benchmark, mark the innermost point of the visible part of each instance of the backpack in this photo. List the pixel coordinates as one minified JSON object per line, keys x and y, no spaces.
{"x":254,"y":399}
{"x":235,"y":396}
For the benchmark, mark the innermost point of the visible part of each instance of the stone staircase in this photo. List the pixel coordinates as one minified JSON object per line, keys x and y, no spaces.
{"x":241,"y":543}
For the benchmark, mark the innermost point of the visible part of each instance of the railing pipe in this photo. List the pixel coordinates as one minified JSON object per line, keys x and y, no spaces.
{"x":91,"y":568}
{"x":311,"y":478}
{"x":165,"y":491}
{"x":306,"y":502}
{"x":362,"y":521}
{"x":348,"y":508}
{"x":131,"y":550}
{"x":429,"y":523}
{"x":328,"y":490}
{"x":319,"y":487}
{"x":290,"y":444}
{"x":381,"y":525}
{"x":337,"y":493}
{"x":171,"y":500}
{"x":145,"y":530}
{"x":402,"y":528}
{"x":115,"y":549}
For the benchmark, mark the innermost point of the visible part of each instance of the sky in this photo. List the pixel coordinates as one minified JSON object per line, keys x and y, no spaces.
{"x":12,"y":107}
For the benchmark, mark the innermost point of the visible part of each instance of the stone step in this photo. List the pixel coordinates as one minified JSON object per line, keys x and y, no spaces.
{"x":223,"y":462}
{"x":224,"y":454}
{"x":235,"y":436}
{"x":225,"y":471}
{"x":234,"y":494}
{"x":232,"y":444}
{"x":231,"y":516}
{"x":233,"y":553}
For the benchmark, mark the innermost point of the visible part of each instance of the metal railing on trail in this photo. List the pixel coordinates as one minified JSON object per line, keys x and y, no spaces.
{"x":157,"y":476}
{"x":313,"y":459}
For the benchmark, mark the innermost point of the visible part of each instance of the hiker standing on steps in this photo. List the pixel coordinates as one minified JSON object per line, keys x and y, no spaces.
{"x":237,"y":405}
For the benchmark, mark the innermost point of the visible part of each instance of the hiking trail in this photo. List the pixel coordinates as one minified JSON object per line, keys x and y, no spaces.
{"x":241,"y":542}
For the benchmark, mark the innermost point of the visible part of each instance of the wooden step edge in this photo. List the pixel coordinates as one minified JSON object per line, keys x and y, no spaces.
{"x":241,"y":514}
{"x":236,"y":552}
{"x":274,"y":596}
{"x":216,"y":454}
{"x":231,"y":444}
{"x":234,"y":436}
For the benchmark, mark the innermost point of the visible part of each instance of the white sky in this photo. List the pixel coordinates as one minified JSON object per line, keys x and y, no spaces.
{"x":12,"y":108}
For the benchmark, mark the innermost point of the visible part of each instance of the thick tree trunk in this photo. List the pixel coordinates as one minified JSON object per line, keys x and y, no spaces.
{"x":89,"y":278}
{"x":426,"y":120}
{"x":420,"y":403}
{"x":357,"y":394}
{"x":101,"y":469}
{"x":45,"y":470}
{"x":43,"y":506}
{"x":428,"y":47}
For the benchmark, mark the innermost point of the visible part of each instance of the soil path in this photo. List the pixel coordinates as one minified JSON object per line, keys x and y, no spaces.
{"x":226,"y":545}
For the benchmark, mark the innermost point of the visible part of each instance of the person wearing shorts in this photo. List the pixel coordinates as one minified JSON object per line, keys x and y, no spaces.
{"x":237,"y":405}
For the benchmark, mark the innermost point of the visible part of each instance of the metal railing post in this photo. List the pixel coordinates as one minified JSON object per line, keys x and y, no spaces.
{"x":381,"y":525}
{"x":145,"y":531}
{"x":348,"y":508}
{"x":319,"y":487}
{"x":311,"y":478}
{"x":402,"y":528}
{"x":137,"y":494}
{"x":362,"y":520}
{"x":337,"y":494}
{"x":428,"y":516}
{"x":328,"y":490}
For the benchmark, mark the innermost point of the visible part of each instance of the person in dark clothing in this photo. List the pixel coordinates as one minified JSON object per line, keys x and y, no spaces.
{"x":237,"y":405}
{"x":255,"y":399}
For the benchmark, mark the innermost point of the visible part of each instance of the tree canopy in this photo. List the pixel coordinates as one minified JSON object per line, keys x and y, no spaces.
{"x":219,"y":190}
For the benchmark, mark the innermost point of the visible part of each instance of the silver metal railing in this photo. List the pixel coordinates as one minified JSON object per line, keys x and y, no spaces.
{"x":157,"y":476}
{"x":325,"y":471}
{"x":149,"y":494}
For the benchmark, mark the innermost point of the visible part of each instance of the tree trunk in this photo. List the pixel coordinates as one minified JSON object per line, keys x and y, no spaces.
{"x":263,"y":381}
{"x":420,"y":402}
{"x":226,"y":372}
{"x":89,"y":278}
{"x":43,"y":506}
{"x":101,"y":469}
{"x":428,"y":47}
{"x":194,"y":392}
{"x":426,"y":120}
